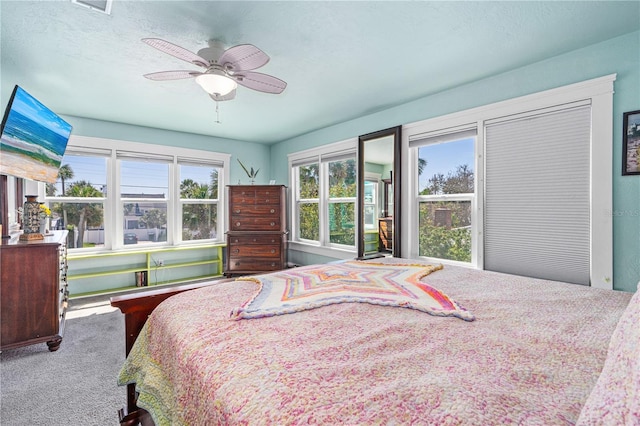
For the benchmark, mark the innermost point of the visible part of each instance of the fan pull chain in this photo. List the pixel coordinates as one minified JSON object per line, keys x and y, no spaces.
{"x":218,"y":113}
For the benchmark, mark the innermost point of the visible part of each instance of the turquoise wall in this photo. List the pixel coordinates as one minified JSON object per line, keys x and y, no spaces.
{"x":251,"y":154}
{"x":620,"y":55}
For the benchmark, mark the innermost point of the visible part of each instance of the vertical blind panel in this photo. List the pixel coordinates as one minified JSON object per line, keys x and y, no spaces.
{"x":537,"y":196}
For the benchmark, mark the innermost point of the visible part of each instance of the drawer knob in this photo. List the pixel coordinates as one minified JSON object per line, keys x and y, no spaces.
{"x":237,"y":223}
{"x":236,"y":251}
{"x":254,"y":240}
{"x":273,"y":264}
{"x":238,"y":211}
{"x":273,"y":210}
{"x":266,"y":201}
{"x":273,"y":224}
{"x":236,"y":240}
{"x":273,"y":250}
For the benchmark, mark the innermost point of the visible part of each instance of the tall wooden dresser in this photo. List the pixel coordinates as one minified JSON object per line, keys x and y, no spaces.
{"x":257,"y":235}
{"x":33,"y":291}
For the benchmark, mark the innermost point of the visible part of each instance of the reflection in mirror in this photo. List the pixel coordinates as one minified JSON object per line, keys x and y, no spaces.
{"x":378,"y":193}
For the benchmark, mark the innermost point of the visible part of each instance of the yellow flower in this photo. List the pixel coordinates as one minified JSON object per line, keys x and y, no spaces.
{"x":45,"y":210}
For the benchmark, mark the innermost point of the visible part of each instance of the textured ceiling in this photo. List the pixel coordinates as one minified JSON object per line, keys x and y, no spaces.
{"x":341,"y":60}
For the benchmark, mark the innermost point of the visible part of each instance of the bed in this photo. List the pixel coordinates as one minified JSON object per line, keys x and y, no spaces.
{"x":490,"y":349}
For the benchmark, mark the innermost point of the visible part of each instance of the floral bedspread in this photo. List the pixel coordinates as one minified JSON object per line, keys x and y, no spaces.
{"x":615,"y":399}
{"x":532,"y":356}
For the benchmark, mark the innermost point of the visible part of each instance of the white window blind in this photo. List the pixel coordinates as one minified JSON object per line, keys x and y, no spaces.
{"x":187,"y":161}
{"x":305,"y":161}
{"x":339,"y":156}
{"x":143,"y":156}
{"x":444,"y":135}
{"x":88,"y":152}
{"x":537,"y":195}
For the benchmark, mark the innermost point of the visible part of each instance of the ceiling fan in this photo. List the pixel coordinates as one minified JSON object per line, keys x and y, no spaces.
{"x":223,"y":69}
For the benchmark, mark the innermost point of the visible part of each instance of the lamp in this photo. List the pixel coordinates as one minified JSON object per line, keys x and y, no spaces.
{"x":215,"y":82}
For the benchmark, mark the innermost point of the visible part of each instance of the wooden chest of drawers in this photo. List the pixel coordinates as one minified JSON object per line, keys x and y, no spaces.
{"x":33,"y":291}
{"x":257,"y":235}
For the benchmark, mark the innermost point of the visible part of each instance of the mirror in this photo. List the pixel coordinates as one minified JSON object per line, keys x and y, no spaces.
{"x":379,"y":193}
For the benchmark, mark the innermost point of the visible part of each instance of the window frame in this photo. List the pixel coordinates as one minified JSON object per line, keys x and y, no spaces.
{"x":599,"y":91}
{"x":450,"y":134}
{"x":204,"y":201}
{"x":322,"y":155}
{"x":329,"y":200}
{"x":113,"y":202}
{"x":137,"y":158}
{"x":298,"y":202}
{"x":374,"y":179}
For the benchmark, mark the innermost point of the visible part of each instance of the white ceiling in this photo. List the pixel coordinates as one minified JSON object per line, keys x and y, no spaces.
{"x":341,"y":60}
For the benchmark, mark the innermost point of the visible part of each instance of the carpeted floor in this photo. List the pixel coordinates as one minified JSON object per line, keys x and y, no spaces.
{"x":75,"y":385}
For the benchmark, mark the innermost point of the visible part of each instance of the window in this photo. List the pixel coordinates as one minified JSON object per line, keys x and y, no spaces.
{"x":342,"y":201}
{"x":199,"y":189}
{"x":77,"y":199}
{"x":324,"y":186}
{"x":542,"y":178}
{"x":446,"y":193}
{"x":308,"y":202}
{"x":371,"y":200}
{"x":538,"y":193}
{"x":144,"y":191}
{"x":114,"y":194}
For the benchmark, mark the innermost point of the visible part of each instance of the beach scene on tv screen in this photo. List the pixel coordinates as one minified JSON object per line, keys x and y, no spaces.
{"x":33,"y":140}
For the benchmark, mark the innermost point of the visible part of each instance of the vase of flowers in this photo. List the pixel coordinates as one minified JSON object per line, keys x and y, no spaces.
{"x":45,"y":219}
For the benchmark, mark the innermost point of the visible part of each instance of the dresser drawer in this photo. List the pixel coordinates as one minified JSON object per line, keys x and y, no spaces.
{"x":242,"y":198}
{"x":255,"y":196}
{"x":267,"y":196}
{"x":261,"y":239}
{"x":256,"y":210}
{"x":251,"y":223}
{"x":251,"y":265}
{"x":254,"y":251}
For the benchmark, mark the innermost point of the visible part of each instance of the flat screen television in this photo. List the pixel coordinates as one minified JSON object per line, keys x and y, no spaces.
{"x":32,"y":140}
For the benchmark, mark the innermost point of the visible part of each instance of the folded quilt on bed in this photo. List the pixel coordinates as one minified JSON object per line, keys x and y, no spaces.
{"x":311,"y":287}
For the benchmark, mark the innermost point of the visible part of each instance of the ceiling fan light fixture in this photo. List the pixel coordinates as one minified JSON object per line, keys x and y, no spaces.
{"x":216,"y":83}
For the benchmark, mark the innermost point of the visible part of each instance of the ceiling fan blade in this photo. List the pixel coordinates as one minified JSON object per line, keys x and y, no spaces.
{"x":243,"y":57}
{"x":177,"y":51}
{"x":171,"y":75}
{"x":260,"y":82}
{"x":227,"y":97}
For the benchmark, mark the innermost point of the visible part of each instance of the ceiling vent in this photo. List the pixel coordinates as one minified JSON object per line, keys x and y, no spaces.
{"x":103,"y":6}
